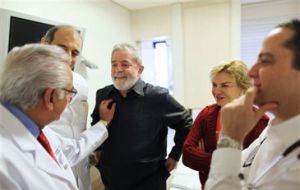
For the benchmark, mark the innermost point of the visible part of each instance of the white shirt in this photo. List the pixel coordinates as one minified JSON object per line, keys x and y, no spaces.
{"x":73,"y":120}
{"x":227,"y":163}
{"x":72,"y":123}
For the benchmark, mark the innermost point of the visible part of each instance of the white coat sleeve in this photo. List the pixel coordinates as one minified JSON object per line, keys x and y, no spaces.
{"x":78,"y":148}
{"x":225,"y":170}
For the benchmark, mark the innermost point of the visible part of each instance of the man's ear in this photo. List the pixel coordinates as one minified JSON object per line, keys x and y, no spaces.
{"x":141,"y":69}
{"x":48,"y":98}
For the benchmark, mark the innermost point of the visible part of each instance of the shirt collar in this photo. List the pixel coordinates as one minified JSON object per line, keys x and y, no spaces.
{"x":288,"y":131}
{"x":139,"y":87}
{"x":23,"y":118}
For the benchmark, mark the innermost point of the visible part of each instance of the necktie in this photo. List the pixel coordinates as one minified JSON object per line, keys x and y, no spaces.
{"x":45,"y":143}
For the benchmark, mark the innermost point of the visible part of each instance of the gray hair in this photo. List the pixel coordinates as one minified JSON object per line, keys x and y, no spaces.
{"x":31,"y":69}
{"x":130,"y":49}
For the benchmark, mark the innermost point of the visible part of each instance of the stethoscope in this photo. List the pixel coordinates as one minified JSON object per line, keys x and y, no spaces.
{"x":273,"y":163}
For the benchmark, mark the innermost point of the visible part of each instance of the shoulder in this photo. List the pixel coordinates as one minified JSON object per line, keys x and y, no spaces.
{"x":151,"y":90}
{"x":79,"y":80}
{"x":210,"y":109}
{"x":104,"y":90}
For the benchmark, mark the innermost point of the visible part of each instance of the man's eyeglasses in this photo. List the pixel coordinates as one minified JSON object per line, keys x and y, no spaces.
{"x":72,"y":93}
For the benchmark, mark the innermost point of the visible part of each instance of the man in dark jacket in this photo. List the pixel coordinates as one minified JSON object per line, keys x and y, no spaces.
{"x":133,"y":157}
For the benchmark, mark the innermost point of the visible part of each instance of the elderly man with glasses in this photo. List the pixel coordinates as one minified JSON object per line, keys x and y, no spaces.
{"x":35,"y":88}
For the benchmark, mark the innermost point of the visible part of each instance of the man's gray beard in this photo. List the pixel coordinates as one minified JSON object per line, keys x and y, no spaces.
{"x":128,"y":84}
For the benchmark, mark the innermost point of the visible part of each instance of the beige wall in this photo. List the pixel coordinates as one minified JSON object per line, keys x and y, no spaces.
{"x":106,"y":23}
{"x":210,"y":47}
{"x":201,"y":36}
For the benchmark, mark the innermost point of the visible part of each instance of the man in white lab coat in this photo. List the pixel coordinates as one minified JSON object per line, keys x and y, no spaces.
{"x":74,"y":119}
{"x":35,"y":87}
{"x":272,"y":161}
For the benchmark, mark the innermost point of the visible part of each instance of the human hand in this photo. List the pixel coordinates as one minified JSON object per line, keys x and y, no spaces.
{"x":238,"y":117}
{"x":107,"y":113}
{"x":94,"y":158}
{"x":201,"y":144}
{"x":170,"y":164}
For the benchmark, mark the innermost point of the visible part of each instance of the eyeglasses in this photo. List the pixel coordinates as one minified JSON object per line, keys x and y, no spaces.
{"x":72,"y":93}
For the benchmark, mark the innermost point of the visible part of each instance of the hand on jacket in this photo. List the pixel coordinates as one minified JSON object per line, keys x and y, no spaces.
{"x":106,"y":110}
{"x":94,"y":158}
{"x":170,"y":164}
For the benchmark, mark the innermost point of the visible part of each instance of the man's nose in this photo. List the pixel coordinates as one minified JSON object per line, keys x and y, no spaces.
{"x":253,"y":70}
{"x":119,"y":68}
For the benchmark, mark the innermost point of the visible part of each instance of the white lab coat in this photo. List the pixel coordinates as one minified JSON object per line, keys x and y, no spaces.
{"x":73,"y":120}
{"x":72,"y":123}
{"x":258,"y":163}
{"x":78,"y":148}
{"x":25,"y":164}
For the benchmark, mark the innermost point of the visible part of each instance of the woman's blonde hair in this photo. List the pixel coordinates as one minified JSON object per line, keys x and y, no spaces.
{"x":236,"y":69}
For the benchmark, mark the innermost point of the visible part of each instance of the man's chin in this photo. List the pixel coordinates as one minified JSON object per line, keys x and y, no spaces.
{"x":121,"y":87}
{"x":260,"y":102}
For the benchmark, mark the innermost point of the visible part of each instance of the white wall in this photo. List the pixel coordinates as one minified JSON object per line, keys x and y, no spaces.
{"x":275,"y":9}
{"x":105,"y":22}
{"x":256,"y":26}
{"x":211,"y":24}
{"x":201,"y":36}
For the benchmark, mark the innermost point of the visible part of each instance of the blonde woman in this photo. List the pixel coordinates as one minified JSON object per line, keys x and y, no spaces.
{"x":229,"y":81}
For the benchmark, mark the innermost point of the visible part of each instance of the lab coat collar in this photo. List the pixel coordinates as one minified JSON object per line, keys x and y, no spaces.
{"x":25,"y":141}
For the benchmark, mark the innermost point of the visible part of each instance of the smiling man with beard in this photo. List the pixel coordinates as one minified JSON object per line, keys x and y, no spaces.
{"x":133,"y":157}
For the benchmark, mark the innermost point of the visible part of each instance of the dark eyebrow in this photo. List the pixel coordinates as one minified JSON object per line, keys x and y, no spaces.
{"x":265,"y":54}
{"x":76,"y":51}
{"x":65,"y":47}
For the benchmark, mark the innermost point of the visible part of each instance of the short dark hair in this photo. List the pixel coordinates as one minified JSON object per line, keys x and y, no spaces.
{"x":293,"y":43}
{"x":49,"y":36}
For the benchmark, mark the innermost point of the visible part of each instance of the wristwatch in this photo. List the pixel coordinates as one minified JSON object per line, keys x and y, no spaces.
{"x":228,"y":142}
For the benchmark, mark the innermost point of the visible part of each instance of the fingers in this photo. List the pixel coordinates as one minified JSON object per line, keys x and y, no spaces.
{"x":170,"y":164}
{"x":201,"y":144}
{"x":249,"y":100}
{"x":106,"y":102}
{"x":107,"y":109}
{"x":250,"y":96}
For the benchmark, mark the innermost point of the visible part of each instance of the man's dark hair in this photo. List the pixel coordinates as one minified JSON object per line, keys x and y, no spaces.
{"x":49,"y":36}
{"x":294,"y":42}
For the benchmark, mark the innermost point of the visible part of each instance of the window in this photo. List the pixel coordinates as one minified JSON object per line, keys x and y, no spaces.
{"x":156,"y":57}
